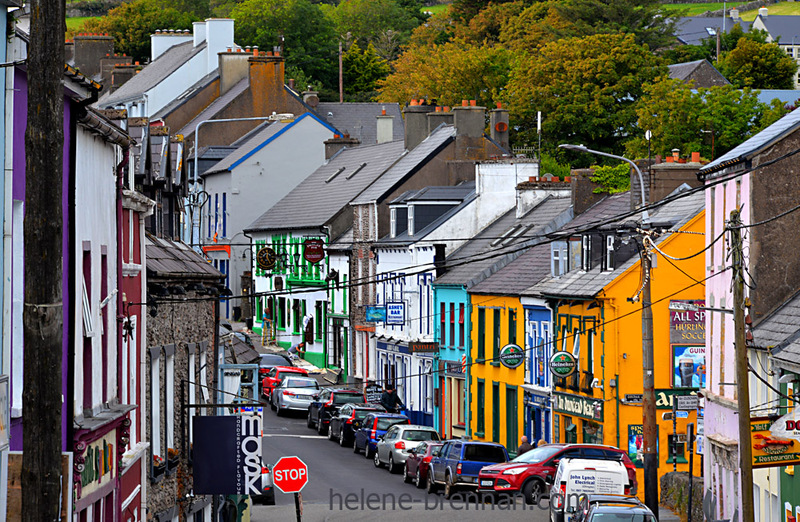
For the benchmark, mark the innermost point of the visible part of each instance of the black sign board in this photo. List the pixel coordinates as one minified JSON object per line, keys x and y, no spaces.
{"x":423,"y":347}
{"x":226,"y":455}
{"x":373,"y":393}
{"x":633,"y":398}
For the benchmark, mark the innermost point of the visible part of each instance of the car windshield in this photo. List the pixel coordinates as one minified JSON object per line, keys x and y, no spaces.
{"x":347,"y":398}
{"x":385,"y":423}
{"x":273,"y":359}
{"x":622,"y":517}
{"x":537,"y":454}
{"x":480,"y":453}
{"x":294,"y":382}
{"x":420,"y":435}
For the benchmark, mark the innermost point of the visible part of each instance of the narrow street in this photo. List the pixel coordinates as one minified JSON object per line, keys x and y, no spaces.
{"x":345,"y":486}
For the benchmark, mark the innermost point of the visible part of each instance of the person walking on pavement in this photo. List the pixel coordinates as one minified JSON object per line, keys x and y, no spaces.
{"x":390,"y":400}
{"x":524,"y":446}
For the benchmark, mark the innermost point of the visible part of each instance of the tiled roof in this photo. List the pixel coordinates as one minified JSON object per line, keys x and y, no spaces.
{"x":214,"y":107}
{"x":784,"y":29}
{"x":343,"y":242}
{"x":684,"y":71}
{"x":778,"y":326}
{"x":789,"y":352}
{"x":692,"y":30}
{"x":410,"y":161}
{"x":151,"y":75}
{"x":519,"y":275}
{"x":360,"y":120}
{"x":330,"y":188}
{"x":187,"y":95}
{"x":757,"y":143}
{"x":174,"y":259}
{"x":502,"y":241}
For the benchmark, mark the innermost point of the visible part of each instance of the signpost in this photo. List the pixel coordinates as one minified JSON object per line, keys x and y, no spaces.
{"x":687,"y":402}
{"x":373,"y":393}
{"x":290,"y":475}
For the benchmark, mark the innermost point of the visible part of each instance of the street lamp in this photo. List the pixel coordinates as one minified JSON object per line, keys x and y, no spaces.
{"x":649,"y":425}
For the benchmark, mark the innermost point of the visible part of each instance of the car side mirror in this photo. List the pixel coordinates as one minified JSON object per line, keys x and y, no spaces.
{"x":548,"y":480}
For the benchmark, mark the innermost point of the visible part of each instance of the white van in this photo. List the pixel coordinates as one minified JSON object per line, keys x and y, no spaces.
{"x":576,"y":477}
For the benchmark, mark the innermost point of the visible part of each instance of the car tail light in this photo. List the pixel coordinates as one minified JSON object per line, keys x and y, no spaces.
{"x":288,"y":394}
{"x":627,"y":490}
{"x":458,"y":469}
{"x":373,"y":435}
{"x":351,"y":419}
{"x":328,"y":403}
{"x":632,"y":481}
{"x":265,"y":470}
{"x":400,"y":445}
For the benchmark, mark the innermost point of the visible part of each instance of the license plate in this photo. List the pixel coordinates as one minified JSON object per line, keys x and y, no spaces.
{"x":486,"y":482}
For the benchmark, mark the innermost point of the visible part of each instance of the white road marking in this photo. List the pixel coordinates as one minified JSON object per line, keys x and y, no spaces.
{"x":295,"y":436}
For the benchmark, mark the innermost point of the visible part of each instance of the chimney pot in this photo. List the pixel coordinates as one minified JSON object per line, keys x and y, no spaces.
{"x":695,"y":157}
{"x":473,"y":103}
{"x":291,"y":83}
{"x":499,"y":105}
{"x":465,"y":103}
{"x":446,"y":109}
{"x":383,"y":112}
{"x":269,"y":53}
{"x":676,"y":153}
{"x":670,"y":159}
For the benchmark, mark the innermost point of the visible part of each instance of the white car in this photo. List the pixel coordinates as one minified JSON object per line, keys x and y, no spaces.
{"x":293,"y":393}
{"x":575,"y":478}
{"x":394,"y":447}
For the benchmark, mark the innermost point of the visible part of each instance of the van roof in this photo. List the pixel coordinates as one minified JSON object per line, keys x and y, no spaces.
{"x":601,"y":464}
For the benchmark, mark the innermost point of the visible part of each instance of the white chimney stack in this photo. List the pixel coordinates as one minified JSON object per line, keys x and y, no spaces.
{"x":199,"y":32}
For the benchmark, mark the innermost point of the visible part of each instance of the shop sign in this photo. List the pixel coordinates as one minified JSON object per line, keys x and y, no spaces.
{"x":563,"y":364}
{"x":266,"y":258}
{"x":688,"y":337}
{"x":636,"y":444}
{"x":687,"y":402}
{"x":453,"y":369}
{"x":226,"y":456}
{"x":423,"y":347}
{"x":313,"y":250}
{"x":373,"y":393}
{"x":633,"y":398}
{"x":665,"y":397}
{"x":689,"y":366}
{"x":396,"y":313}
{"x":512,"y":356}
{"x":776,"y":443}
{"x":578,"y":406}
{"x":100,"y":464}
{"x":375,"y":314}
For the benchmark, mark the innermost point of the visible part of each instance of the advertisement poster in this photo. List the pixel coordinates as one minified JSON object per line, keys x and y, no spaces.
{"x":687,"y":337}
{"x":636,"y":444}
{"x":776,"y":442}
{"x":376,"y":314}
{"x":396,"y":313}
{"x":689,"y":366}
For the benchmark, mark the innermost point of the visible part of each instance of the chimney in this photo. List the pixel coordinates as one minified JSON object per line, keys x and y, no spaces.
{"x":89,"y":49}
{"x":198,"y":33}
{"x":291,"y":83}
{"x":266,"y":83}
{"x":470,"y":120}
{"x":163,"y":39}
{"x":762,"y":12}
{"x":107,"y":65}
{"x":337,"y":143}
{"x":121,"y":74}
{"x":734,"y":13}
{"x":498,"y":123}
{"x":583,"y":194}
{"x":663,"y":178}
{"x":219,"y":35}
{"x":437,"y":117}
{"x":233,"y":68}
{"x":385,"y":127}
{"x":416,"y":123}
{"x":536,"y":188}
{"x":311,"y":98}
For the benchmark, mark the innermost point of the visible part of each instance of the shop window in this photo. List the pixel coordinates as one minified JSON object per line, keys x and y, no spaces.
{"x":592,"y":433}
{"x":319,"y":309}
{"x":481,"y":335}
{"x":495,"y":412}
{"x":570,"y":431}
{"x":480,"y":428}
{"x":511,"y":419}
{"x":281,"y":313}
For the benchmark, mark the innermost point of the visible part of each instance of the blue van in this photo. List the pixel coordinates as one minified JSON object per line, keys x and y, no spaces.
{"x":459,"y":462}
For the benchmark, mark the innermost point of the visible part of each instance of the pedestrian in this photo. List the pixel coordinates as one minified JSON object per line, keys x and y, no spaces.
{"x":541,"y":443}
{"x":524,"y":446}
{"x":390,"y":400}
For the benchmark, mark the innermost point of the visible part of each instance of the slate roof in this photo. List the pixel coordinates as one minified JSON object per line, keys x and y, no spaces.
{"x":187,"y":95}
{"x":324,"y":194}
{"x":343,"y":243}
{"x":692,"y":30}
{"x":580,"y":284}
{"x":487,"y":252}
{"x":687,"y":71}
{"x":784,"y":29}
{"x":779,"y":325}
{"x":215,"y":107}
{"x":360,"y":120}
{"x":174,"y":259}
{"x":755,"y":144}
{"x":785,"y":95}
{"x":408,"y":164}
{"x":519,"y":275}
{"x":151,"y":75}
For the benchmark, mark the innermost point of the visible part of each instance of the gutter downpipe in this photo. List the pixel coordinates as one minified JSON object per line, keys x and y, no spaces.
{"x":8,"y":214}
{"x":120,"y":303}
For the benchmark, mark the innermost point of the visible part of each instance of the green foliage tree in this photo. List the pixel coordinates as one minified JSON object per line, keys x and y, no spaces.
{"x":758,"y":65}
{"x":132,"y":23}
{"x":310,"y":39}
{"x":362,"y":70}
{"x":586,"y":89}
{"x":366,"y":20}
{"x":611,"y":178}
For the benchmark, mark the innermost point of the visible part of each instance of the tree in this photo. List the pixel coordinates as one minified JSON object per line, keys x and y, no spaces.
{"x":310,"y":39}
{"x":368,"y":20}
{"x":758,"y":65}
{"x":363,"y":69}
{"x":586,"y":89}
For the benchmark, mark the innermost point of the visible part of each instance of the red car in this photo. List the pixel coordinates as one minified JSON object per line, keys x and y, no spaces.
{"x":528,"y":473}
{"x":274,"y":377}
{"x":418,"y":463}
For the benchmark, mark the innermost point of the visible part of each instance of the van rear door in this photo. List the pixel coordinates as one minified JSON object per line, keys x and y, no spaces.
{"x":593,"y":481}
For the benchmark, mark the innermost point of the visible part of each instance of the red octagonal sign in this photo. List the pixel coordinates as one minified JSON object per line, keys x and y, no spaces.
{"x":290,"y":474}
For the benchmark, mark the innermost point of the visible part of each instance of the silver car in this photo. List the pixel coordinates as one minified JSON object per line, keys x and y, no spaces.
{"x":293,"y":393}
{"x":394,"y":447}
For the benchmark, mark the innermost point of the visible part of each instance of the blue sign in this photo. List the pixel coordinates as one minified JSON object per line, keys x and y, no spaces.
{"x":681,"y":414}
{"x":396,"y":313}
{"x":376,"y":314}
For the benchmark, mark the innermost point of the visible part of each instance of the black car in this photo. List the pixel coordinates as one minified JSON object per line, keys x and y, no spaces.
{"x":344,"y":425}
{"x":612,"y":507}
{"x":327,"y":403}
{"x":268,"y":361}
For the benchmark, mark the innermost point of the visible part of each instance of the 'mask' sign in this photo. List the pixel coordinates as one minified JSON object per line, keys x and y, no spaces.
{"x":227,"y":455}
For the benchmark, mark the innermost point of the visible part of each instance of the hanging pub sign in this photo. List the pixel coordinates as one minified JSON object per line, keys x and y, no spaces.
{"x":375,"y":314}
{"x":396,"y":313}
{"x":266,"y":258}
{"x":313,"y":250}
{"x":563,"y":364}
{"x":512,"y":356}
{"x":226,"y":455}
{"x":776,"y":442}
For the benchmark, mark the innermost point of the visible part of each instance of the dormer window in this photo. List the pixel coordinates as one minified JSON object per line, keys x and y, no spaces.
{"x":398,"y":218}
{"x":410,"y":220}
{"x":558,"y":260}
{"x":393,"y":222}
{"x":609,"y":253}
{"x":586,"y":253}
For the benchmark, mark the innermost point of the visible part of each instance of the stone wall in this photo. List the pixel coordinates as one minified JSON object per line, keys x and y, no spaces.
{"x":675,"y":495}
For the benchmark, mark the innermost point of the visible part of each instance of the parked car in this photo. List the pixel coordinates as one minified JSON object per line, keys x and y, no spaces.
{"x":459,"y":462}
{"x":577,"y":477}
{"x":267,"y":495}
{"x":418,"y":461}
{"x":374,"y":426}
{"x":529,"y":473}
{"x":326,"y":404}
{"x":275,"y":375}
{"x":393,"y":448}
{"x":343,"y":426}
{"x":293,"y":393}
{"x":268,"y":361}
{"x":597,"y":508}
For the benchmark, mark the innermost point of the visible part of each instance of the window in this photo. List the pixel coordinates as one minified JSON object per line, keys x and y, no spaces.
{"x":105,"y":385}
{"x":169,"y":393}
{"x":319,"y":308}
{"x":393,"y":222}
{"x":586,"y":253}
{"x":496,"y":412}
{"x":609,"y":257}
{"x":216,"y":216}
{"x":677,"y":448}
{"x":558,"y":263}
{"x":512,"y":326}
{"x":481,"y":400}
{"x":224,"y":214}
{"x":481,"y":337}
{"x":496,"y":337}
{"x":192,"y":377}
{"x":281,"y":312}
{"x":461,"y":341}
{"x":511,"y":418}
{"x":155,"y":401}
{"x":452,"y":324}
{"x":442,"y":325}
{"x":88,"y":329}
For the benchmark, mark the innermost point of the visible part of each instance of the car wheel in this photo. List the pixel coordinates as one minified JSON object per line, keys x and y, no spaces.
{"x":355,"y":447}
{"x":342,"y":442}
{"x":449,"y":488}
{"x":321,"y":428}
{"x":533,"y":491}
{"x":272,"y":405}
{"x":309,"y":422}
{"x":418,"y":479}
{"x":377,"y":460}
{"x":432,"y":487}
{"x":392,"y":465}
{"x":330,"y":433}
{"x":368,"y":452}
{"x":406,"y":477}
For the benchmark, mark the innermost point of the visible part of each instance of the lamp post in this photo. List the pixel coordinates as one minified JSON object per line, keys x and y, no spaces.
{"x":649,"y":425}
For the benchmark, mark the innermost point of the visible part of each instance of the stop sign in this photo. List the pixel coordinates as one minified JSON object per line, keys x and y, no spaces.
{"x":290,"y":474}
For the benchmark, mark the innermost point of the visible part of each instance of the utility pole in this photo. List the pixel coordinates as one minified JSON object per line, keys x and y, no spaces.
{"x":43,"y":320}
{"x":341,"y":74}
{"x":742,"y":377}
{"x":649,"y":423}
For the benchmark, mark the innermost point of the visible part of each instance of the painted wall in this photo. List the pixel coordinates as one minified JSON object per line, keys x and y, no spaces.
{"x":453,"y":407}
